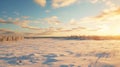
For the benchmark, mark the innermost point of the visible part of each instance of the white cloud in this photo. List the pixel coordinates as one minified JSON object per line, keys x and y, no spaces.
{"x":16,"y":13}
{"x":47,"y":11}
{"x":73,"y":22}
{"x":111,"y":5}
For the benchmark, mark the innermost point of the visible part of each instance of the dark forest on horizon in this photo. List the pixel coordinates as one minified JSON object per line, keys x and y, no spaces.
{"x":83,"y":37}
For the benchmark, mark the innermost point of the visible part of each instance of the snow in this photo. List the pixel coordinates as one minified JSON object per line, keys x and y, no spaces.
{"x":48,"y":52}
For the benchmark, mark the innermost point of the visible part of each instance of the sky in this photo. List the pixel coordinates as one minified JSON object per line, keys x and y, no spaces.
{"x":60,"y":17}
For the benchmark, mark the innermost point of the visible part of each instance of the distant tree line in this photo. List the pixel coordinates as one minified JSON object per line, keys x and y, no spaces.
{"x":11,"y":37}
{"x":95,"y":37}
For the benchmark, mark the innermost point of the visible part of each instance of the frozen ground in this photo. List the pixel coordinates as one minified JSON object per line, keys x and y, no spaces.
{"x":60,"y":53}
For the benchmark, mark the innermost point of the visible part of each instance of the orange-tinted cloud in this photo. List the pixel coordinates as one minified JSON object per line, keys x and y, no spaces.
{"x":6,"y":31}
{"x":6,"y":21}
{"x":25,"y":24}
{"x":21,"y":23}
{"x":105,"y":15}
{"x":2,"y":21}
{"x":25,"y":17}
{"x":41,"y":2}
{"x":62,"y":3}
{"x":52,"y":20}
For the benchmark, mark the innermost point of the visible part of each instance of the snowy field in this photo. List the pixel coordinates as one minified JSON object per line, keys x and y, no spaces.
{"x":48,"y":52}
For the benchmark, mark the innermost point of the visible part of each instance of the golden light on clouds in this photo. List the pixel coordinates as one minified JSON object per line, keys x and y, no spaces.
{"x":55,"y":18}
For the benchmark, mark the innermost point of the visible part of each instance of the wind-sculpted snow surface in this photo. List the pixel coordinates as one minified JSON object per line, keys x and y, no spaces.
{"x":48,"y":52}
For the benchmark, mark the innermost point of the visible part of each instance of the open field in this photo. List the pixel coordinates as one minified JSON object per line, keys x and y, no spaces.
{"x":50,"y":52}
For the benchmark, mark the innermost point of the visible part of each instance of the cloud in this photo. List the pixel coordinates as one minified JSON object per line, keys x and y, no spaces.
{"x":38,"y":34}
{"x":47,"y":11}
{"x":88,"y":24}
{"x":41,"y":2}
{"x":106,"y":23}
{"x":6,"y":22}
{"x":53,"y":30}
{"x":25,"y":17}
{"x":31,"y":27}
{"x":2,"y":21}
{"x":106,"y":2}
{"x":10,"y":21}
{"x":93,"y":1}
{"x":103,"y":16}
{"x":62,"y":3}
{"x":45,"y":31}
{"x":56,"y":3}
{"x":108,"y":14}
{"x":111,"y":5}
{"x":6,"y":31}
{"x":52,"y":20}
{"x":16,"y":13}
{"x":21,"y":23}
{"x":64,"y":29}
{"x":25,"y":24}
{"x":79,"y":28}
{"x":73,"y":22}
